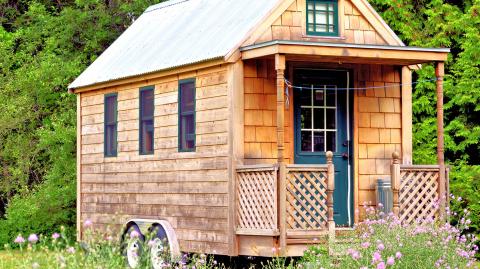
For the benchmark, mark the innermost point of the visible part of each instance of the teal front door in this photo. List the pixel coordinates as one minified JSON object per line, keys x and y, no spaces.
{"x":323,"y":106}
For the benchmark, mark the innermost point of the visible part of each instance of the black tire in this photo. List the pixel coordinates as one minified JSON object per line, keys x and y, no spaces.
{"x":160,"y":254}
{"x":130,"y":246}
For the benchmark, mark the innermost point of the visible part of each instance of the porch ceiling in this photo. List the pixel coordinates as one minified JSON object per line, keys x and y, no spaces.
{"x":345,"y":53}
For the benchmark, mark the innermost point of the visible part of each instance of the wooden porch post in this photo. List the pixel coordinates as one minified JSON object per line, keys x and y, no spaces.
{"x":330,"y":190}
{"x":395,"y":174}
{"x":280,"y":68}
{"x":440,"y":72}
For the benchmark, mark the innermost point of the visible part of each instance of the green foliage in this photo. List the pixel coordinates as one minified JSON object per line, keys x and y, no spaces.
{"x":454,"y":24}
{"x":44,"y":45}
{"x":385,"y":242}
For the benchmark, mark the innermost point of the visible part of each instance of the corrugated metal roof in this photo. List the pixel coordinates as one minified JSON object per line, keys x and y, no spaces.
{"x":176,"y":33}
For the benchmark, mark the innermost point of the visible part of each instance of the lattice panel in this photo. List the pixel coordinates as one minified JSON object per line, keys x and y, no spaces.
{"x":418,"y":195}
{"x":257,"y":199}
{"x":307,"y":200}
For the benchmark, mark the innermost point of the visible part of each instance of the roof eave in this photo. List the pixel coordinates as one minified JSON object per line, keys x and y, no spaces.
{"x":147,"y":75}
{"x":402,"y":54}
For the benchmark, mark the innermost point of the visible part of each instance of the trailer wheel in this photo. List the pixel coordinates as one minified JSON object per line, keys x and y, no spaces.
{"x":159,"y":247}
{"x":133,"y":246}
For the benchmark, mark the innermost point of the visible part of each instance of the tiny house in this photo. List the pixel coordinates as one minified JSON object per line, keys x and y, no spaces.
{"x":238,"y":127}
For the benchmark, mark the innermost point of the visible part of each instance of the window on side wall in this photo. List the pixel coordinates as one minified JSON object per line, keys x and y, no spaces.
{"x":322,"y":17}
{"x":110,"y":128}
{"x":147,"y":107}
{"x":186,"y":117}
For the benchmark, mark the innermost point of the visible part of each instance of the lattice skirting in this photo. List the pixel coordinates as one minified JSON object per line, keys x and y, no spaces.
{"x":257,"y":199}
{"x":306,"y":200}
{"x":418,"y":195}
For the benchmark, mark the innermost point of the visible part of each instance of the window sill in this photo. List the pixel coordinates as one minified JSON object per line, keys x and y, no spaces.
{"x":324,"y":37}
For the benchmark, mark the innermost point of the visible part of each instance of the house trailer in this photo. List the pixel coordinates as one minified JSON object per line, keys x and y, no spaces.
{"x":236,"y":127}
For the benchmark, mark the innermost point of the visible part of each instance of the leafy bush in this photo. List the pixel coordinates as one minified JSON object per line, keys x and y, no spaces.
{"x":52,"y":203}
{"x":387,"y":243}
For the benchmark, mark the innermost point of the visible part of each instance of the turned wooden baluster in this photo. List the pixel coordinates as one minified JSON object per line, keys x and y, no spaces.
{"x":330,"y":189}
{"x":395,"y":170}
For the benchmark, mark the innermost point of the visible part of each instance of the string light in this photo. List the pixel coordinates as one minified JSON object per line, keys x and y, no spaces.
{"x":290,"y":85}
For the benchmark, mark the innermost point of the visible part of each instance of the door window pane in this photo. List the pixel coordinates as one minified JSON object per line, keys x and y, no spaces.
{"x":319,"y":114}
{"x":306,"y":121}
{"x":319,"y":98}
{"x":332,"y":141}
{"x":319,"y":141}
{"x":331,"y":119}
{"x":306,"y":141}
{"x":331,"y":96}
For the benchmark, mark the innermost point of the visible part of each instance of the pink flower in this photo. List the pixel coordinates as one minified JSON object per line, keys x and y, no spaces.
{"x":87,"y":223}
{"x":390,"y":260}
{"x":380,"y":247}
{"x":381,"y":265}
{"x":71,"y":250}
{"x":55,"y":235}
{"x":356,"y":255}
{"x":134,"y":234}
{"x":377,"y":257}
{"x":33,"y":238}
{"x":19,"y":240}
{"x":398,"y":255}
{"x":365,"y":244}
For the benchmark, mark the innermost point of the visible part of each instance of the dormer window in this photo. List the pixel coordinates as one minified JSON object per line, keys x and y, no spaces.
{"x":322,"y":17}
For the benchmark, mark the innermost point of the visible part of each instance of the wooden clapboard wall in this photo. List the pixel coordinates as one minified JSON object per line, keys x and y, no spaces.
{"x":260,"y":97}
{"x":291,"y":25}
{"x":189,"y":189}
{"x":378,"y":127}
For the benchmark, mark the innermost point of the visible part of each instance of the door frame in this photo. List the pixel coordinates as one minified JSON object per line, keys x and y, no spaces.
{"x":350,"y":96}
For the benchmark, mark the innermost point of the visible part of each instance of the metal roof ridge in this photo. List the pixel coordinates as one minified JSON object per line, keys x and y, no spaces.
{"x":164,"y":5}
{"x":342,"y":45}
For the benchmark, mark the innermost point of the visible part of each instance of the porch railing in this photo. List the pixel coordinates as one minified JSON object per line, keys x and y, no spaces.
{"x":309,"y":200}
{"x":416,"y":191}
{"x":257,"y":202}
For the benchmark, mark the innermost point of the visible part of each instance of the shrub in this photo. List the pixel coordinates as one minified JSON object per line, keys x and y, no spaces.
{"x":385,"y":242}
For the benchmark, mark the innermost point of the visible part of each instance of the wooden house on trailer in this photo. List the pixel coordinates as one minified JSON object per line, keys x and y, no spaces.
{"x":242,"y":126}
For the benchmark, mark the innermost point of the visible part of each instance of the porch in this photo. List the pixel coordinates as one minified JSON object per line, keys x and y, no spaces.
{"x":298,"y":207}
{"x":285,"y":200}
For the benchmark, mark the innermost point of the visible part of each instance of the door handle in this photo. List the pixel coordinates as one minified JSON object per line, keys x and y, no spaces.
{"x":345,"y":155}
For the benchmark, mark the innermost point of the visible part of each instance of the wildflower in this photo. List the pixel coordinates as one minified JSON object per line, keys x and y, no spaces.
{"x":71,"y":250}
{"x":398,"y":255}
{"x":365,"y":244}
{"x":35,"y":265}
{"x":134,"y":234}
{"x":33,"y":238}
{"x":380,"y":247}
{"x":55,"y":235}
{"x":355,"y":255}
{"x":87,"y":223}
{"x":380,"y":205}
{"x":19,"y":240}
{"x":381,"y":265}
{"x":376,"y":257}
{"x":390,"y":261}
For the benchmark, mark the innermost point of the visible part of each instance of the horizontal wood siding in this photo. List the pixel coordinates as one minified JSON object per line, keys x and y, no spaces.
{"x":261,"y":116}
{"x":353,"y":27}
{"x":189,"y":189}
{"x":379,"y":122}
